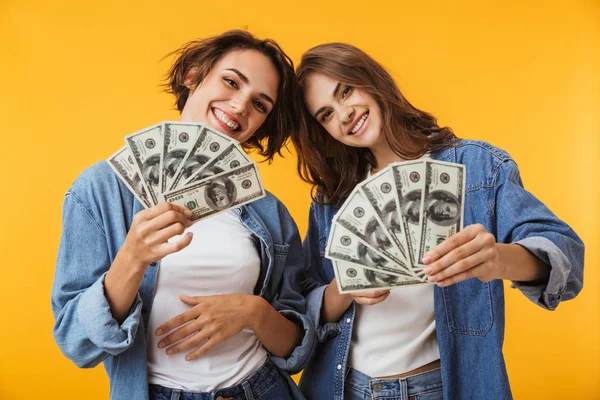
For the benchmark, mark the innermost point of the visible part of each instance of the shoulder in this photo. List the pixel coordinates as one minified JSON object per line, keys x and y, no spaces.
{"x":483,"y":161}
{"x":98,"y":186}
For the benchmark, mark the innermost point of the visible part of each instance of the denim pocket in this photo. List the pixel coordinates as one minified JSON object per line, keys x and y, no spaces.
{"x":468,"y":306}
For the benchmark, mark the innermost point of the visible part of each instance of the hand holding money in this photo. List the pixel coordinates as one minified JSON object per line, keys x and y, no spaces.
{"x":148,"y":238}
{"x":471,"y":253}
{"x":391,"y":220}
{"x":187,"y":164}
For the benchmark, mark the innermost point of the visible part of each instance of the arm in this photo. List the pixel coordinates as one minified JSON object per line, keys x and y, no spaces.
{"x":532,"y":247}
{"x":85,"y":310}
{"x":146,"y":242}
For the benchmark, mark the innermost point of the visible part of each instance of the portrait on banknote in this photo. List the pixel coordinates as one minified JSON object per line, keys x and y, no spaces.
{"x":442,"y":207}
{"x":220,"y":193}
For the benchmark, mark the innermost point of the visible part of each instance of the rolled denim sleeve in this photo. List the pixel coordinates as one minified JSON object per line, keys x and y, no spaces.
{"x":522,"y":219}
{"x":84,"y":328}
{"x":289,"y":300}
{"x":316,"y":280}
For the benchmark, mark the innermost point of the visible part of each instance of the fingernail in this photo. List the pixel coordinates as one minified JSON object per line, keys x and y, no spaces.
{"x":188,"y":358}
{"x":427,"y":270}
{"x":441,"y":284}
{"x":188,"y":212}
{"x":426,"y":259}
{"x":159,"y":332}
{"x":432,"y":278}
{"x":169,"y":352}
{"x":161,"y":345}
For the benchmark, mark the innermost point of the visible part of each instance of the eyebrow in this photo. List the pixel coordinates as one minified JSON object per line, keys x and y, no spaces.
{"x":245,"y":79}
{"x":335,"y":91}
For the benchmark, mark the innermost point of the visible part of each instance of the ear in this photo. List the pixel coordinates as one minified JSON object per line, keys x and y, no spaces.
{"x":190,"y":77}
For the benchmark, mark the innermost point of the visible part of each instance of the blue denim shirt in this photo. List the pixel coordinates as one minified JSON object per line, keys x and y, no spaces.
{"x":469,"y":315}
{"x":97,"y":214}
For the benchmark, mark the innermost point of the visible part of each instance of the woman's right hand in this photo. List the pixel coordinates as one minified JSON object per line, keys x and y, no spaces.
{"x":370,"y":298}
{"x":147,"y":239}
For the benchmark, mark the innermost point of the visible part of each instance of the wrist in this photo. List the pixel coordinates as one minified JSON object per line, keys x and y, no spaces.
{"x":257,"y":313}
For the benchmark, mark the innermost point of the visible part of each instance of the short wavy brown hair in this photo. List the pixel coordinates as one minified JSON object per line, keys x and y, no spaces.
{"x":202,"y":55}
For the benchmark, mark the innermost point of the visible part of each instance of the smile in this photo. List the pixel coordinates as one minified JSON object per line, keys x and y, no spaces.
{"x":359,"y":124}
{"x":226,"y":120}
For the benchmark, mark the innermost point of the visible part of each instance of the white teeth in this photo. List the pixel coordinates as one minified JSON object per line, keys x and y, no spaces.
{"x":359,"y":124}
{"x":223,"y":118}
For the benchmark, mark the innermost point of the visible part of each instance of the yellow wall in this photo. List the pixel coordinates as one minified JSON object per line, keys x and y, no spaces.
{"x":75,"y":78}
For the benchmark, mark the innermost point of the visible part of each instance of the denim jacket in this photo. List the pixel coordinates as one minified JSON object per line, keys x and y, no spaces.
{"x":469,"y":315}
{"x":97,"y":214}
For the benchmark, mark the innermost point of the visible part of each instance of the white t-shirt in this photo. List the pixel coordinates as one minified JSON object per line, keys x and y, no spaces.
{"x":397,"y":335}
{"x":221,"y":259}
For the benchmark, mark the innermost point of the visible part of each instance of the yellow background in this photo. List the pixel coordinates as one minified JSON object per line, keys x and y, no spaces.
{"x":75,"y":78}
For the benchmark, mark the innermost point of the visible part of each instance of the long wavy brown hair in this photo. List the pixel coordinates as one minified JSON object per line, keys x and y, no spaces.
{"x":202,"y":55}
{"x":333,"y":168}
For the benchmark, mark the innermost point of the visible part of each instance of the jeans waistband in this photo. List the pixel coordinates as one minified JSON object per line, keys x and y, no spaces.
{"x":260,"y":381}
{"x":395,"y":387}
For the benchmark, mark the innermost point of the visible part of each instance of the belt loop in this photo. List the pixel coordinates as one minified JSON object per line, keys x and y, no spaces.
{"x":403,"y":389}
{"x":247,"y":390}
{"x":175,"y":394}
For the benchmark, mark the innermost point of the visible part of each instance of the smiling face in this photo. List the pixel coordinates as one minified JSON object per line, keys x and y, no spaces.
{"x":236,"y":95}
{"x":349,"y":114}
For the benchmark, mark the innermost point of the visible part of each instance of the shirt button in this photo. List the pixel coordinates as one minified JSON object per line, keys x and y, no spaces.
{"x":153,"y":264}
{"x":348,"y":320}
{"x":339,"y":366}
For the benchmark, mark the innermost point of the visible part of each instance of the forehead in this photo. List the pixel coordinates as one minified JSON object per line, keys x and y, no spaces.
{"x":318,"y":91}
{"x":258,"y":68}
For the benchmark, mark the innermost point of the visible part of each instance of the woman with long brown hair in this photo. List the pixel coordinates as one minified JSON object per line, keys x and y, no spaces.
{"x":419,"y":341}
{"x":209,"y":310}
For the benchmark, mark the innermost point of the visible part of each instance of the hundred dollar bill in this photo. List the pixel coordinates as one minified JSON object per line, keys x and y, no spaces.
{"x":443,"y":203}
{"x":357,"y":215}
{"x":123,"y":164}
{"x":219,"y":193}
{"x":178,"y":139}
{"x":232,"y":157}
{"x":409,"y":180}
{"x":208,"y":145}
{"x":354,"y":278}
{"x":146,"y":147}
{"x":343,"y":245}
{"x":379,"y":191}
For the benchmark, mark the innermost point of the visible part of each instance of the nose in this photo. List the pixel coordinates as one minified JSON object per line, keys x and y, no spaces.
{"x":346,"y":114}
{"x":239,"y":104}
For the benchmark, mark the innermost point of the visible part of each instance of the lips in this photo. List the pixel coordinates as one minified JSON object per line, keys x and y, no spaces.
{"x":226,"y":120}
{"x":359,"y":124}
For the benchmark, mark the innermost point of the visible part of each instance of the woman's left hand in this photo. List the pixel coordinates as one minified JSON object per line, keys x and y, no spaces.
{"x":210,"y":321}
{"x":470,"y":253}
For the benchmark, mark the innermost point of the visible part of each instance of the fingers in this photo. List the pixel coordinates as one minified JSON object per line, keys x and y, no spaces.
{"x":460,"y":270}
{"x":178,"y":334}
{"x":454,"y":256}
{"x":189,"y":343}
{"x":453,"y":242}
{"x":205,"y":348}
{"x":177,"y":321}
{"x":169,"y":217}
{"x":173,"y":247}
{"x":370,"y":298}
{"x":162,"y":208}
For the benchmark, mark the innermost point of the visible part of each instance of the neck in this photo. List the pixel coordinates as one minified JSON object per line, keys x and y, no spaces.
{"x":384,"y":156}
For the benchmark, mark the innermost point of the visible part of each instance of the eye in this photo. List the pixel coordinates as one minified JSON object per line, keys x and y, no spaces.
{"x":325,"y":115}
{"x":260,"y":106}
{"x":230,"y":82}
{"x":347,"y":91}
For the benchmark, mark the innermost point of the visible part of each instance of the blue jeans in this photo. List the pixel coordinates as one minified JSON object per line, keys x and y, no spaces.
{"x":423,"y":386}
{"x":265,"y":383}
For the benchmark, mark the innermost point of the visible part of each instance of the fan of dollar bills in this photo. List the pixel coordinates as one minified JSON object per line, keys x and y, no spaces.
{"x":389,"y":221}
{"x":187,"y":164}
